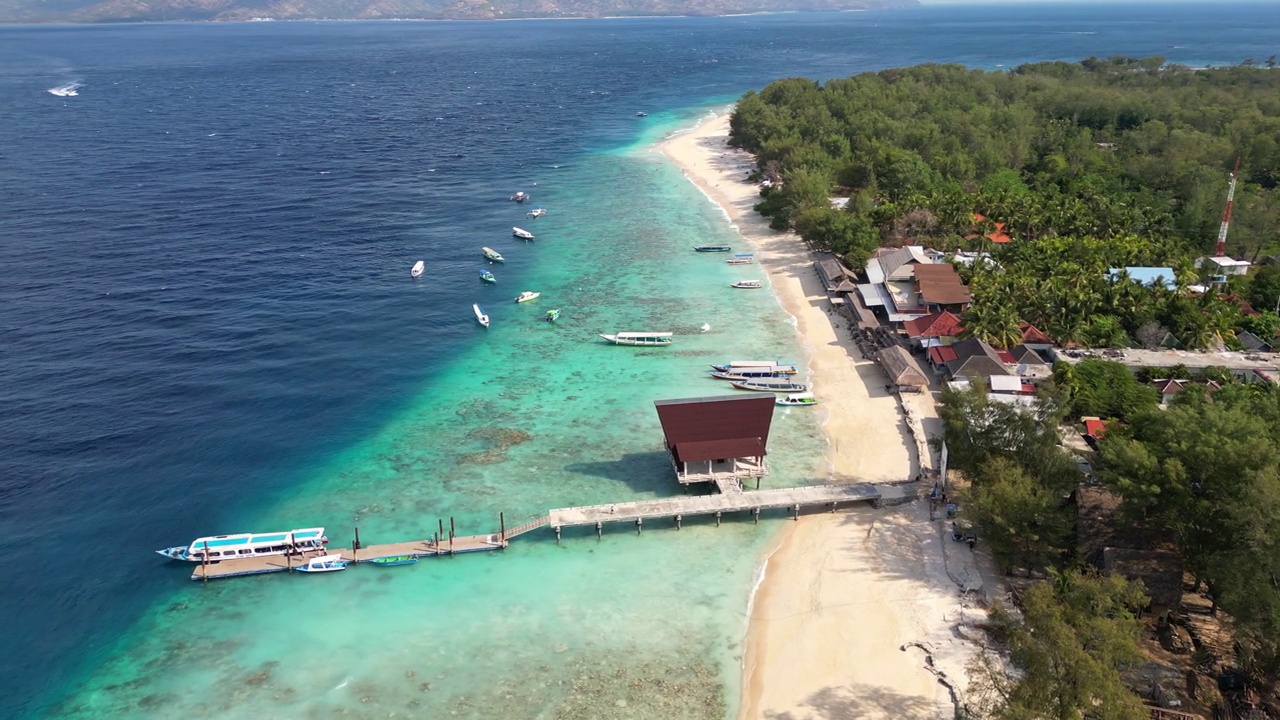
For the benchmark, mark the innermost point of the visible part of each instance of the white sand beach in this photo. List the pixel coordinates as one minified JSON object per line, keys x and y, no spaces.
{"x":846,"y":595}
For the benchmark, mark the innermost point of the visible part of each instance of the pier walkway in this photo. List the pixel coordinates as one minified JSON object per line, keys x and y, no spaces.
{"x":732,"y":498}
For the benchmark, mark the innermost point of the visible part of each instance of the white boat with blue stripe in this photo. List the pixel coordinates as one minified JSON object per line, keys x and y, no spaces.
{"x":248,"y":545}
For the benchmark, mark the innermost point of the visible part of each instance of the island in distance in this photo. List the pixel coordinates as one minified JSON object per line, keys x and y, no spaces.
{"x":34,"y":11}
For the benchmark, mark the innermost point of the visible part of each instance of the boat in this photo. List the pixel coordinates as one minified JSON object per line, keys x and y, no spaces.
{"x":394,"y":560}
{"x":786,"y":368}
{"x":247,"y":545}
{"x":797,"y":399}
{"x":487,"y":276}
{"x":742,"y":259}
{"x":520,"y":197}
{"x":526,"y":296}
{"x":767,"y":385}
{"x":70,"y":90}
{"x":536,"y":213}
{"x":748,"y":285}
{"x":417,"y":269}
{"x":642,"y":114}
{"x":522,"y":234}
{"x":323,"y":564}
{"x":480,"y":316}
{"x":639,"y":338}
{"x":553,"y":315}
{"x":750,"y":373}
{"x":492,"y":255}
{"x":713,"y":248}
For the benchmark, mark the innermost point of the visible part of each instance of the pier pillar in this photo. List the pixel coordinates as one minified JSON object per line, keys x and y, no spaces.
{"x":756,"y":513}
{"x":639,"y":525}
{"x":557,"y":534}
{"x":757,"y":482}
{"x":797,"y":512}
{"x":678,"y":519}
{"x":599,"y":530}
{"x":502,"y":528}
{"x":356,"y":543}
{"x":717,"y":518}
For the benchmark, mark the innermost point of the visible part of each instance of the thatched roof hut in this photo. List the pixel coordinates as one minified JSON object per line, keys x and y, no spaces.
{"x":902,"y":368}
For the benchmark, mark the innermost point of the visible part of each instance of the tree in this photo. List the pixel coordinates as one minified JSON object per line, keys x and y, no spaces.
{"x":1264,"y":289}
{"x":1107,"y":389}
{"x":1023,"y":518}
{"x":1076,"y":634}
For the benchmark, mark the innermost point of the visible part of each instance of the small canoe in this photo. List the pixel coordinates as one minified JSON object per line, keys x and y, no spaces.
{"x":713,"y":248}
{"x":480,"y":316}
{"x":487,"y":276}
{"x":748,"y":285}
{"x":553,"y":315}
{"x":492,"y":255}
{"x":522,"y":234}
{"x":417,"y":269}
{"x":526,"y":296}
{"x":767,"y":385}
{"x":394,"y":560}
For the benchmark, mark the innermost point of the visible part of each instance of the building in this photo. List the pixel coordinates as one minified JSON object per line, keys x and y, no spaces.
{"x":1115,"y":547}
{"x":1243,"y":366}
{"x":1252,"y":342}
{"x":722,"y":440}
{"x":1169,"y":388}
{"x":940,"y":328}
{"x":1148,"y":276}
{"x":970,"y":358}
{"x":836,"y":278}
{"x":938,"y":288}
{"x":1223,"y":265}
{"x":998,"y":236}
{"x":903,"y":370}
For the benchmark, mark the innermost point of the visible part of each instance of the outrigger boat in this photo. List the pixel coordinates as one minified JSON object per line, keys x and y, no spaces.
{"x":526,"y":296}
{"x":742,"y":259}
{"x":394,"y":560}
{"x":520,"y":197}
{"x":323,"y":564}
{"x":748,"y":285}
{"x":639,"y":338}
{"x":785,"y":368}
{"x":713,"y":248}
{"x":797,"y":399}
{"x":417,"y":268}
{"x":750,"y":373}
{"x":480,"y":316}
{"x":775,"y":386}
{"x":536,"y":213}
{"x":553,"y":315}
{"x":522,"y":234}
{"x":487,"y":276}
{"x":247,"y":545}
{"x":492,"y":255}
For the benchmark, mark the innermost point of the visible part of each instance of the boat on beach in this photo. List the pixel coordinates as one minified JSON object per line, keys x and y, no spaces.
{"x":323,"y":564}
{"x":417,"y":268}
{"x":785,"y":368}
{"x":526,"y":296}
{"x":487,"y":276}
{"x":742,"y":259}
{"x":248,"y":545}
{"x":492,"y":255}
{"x":639,"y":338}
{"x":553,"y":315}
{"x":713,"y":248}
{"x":480,"y":316}
{"x":522,"y":234}
{"x":520,"y":196}
{"x":536,"y":213}
{"x":394,"y":560}
{"x":774,"y":386}
{"x":805,"y":398}
{"x":748,"y":285}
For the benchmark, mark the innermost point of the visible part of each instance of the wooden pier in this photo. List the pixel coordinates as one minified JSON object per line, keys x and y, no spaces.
{"x":732,"y":498}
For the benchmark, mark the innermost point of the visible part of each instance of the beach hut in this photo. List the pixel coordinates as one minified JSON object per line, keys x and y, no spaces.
{"x":902,"y":369}
{"x":721,"y":439}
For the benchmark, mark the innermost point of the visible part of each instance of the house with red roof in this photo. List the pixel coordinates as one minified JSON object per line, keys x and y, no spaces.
{"x":940,"y":328}
{"x":1169,"y":388}
{"x":998,"y":237}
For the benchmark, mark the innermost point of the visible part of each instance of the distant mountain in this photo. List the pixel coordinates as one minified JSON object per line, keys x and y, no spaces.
{"x":237,"y":10}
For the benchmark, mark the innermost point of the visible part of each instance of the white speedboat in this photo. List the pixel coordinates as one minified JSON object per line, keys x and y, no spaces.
{"x":70,"y":90}
{"x":748,"y":285}
{"x":778,"y":366}
{"x":323,"y":564}
{"x":526,"y":296}
{"x":520,"y":197}
{"x":536,"y":213}
{"x":742,"y":259}
{"x":804,"y":398}
{"x":248,"y":545}
{"x":417,"y":269}
{"x":639,"y":338}
{"x":492,"y":255}
{"x":522,"y":234}
{"x":480,"y":316}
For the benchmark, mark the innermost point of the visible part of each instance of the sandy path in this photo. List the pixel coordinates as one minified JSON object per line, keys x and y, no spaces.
{"x":843,"y":594}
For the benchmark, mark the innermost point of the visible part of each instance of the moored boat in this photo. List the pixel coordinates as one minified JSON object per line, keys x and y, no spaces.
{"x":748,"y":285}
{"x":766,"y":385}
{"x":323,"y":564}
{"x":487,"y":276}
{"x":553,"y":315}
{"x":522,"y":234}
{"x":480,"y":316}
{"x":526,"y":296}
{"x":247,"y":545}
{"x":394,"y":560}
{"x":639,"y":338}
{"x":804,"y":398}
{"x":713,"y":248}
{"x":750,"y":373}
{"x":417,"y":268}
{"x":520,"y":197}
{"x":742,"y":259}
{"x":786,"y":368}
{"x":536,"y":213}
{"x":492,"y":255}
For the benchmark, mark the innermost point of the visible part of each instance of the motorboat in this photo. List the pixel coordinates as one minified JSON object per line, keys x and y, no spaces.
{"x":642,"y":114}
{"x":522,"y":234}
{"x":248,"y":545}
{"x":323,"y":564}
{"x":487,"y":276}
{"x":553,"y":315}
{"x":778,"y":366}
{"x":639,"y":338}
{"x":492,"y":255}
{"x":750,"y":373}
{"x":526,"y":296}
{"x":742,"y":259}
{"x":520,"y":197}
{"x":804,"y":398}
{"x":70,"y":90}
{"x":417,"y":268}
{"x":748,"y":285}
{"x":768,"y":385}
{"x":394,"y":560}
{"x":712,"y":248}
{"x":536,"y":213}
{"x":480,"y":316}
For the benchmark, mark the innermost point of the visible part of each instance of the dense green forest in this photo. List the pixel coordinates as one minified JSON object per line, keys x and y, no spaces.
{"x":1085,"y":166}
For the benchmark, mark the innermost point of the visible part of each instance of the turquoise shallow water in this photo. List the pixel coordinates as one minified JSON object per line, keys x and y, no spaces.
{"x":534,"y":416}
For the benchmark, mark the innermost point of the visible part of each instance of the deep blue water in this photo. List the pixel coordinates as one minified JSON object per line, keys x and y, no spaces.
{"x":204,"y":292}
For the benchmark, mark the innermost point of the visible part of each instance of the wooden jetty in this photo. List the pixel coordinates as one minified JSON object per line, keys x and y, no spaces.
{"x":730,"y":499}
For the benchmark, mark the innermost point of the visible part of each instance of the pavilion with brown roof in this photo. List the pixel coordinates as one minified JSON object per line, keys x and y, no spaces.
{"x":718,"y":439}
{"x":940,"y":288}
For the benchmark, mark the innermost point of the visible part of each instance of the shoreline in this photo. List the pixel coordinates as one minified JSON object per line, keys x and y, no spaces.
{"x":842,"y":599}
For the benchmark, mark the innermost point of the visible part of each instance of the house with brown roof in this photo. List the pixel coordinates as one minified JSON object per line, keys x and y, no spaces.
{"x":902,"y":368}
{"x":721,"y":439}
{"x":836,"y":278}
{"x":1034,"y":337}
{"x":1170,"y":388}
{"x":940,"y":328}
{"x":939,"y":288}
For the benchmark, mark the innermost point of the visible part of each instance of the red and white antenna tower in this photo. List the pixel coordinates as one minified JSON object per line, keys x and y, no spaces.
{"x":1221,"y":248}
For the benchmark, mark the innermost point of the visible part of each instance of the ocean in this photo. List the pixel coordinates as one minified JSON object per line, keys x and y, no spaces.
{"x":209,"y":327}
